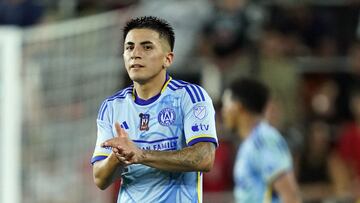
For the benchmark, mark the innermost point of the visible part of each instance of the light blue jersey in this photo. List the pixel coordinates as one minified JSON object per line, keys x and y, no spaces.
{"x":261,"y":158}
{"x":182,"y":115}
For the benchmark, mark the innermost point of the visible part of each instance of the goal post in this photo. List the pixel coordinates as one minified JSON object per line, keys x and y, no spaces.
{"x":11,"y":115}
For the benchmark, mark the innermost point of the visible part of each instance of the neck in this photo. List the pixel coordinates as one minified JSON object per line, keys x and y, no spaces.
{"x":150,"y":88}
{"x":247,"y":124}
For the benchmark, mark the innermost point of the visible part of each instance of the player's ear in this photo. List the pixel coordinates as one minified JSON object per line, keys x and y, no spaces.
{"x":168,"y":60}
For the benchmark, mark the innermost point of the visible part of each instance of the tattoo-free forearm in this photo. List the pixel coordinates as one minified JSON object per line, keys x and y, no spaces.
{"x":106,"y":171}
{"x":199,"y":157}
{"x":286,"y":187}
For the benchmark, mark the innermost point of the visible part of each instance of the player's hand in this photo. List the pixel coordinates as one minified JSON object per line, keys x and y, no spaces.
{"x":123,"y":158}
{"x":124,"y":148}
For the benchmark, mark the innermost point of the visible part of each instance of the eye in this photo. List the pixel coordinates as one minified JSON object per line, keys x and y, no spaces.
{"x":148,"y":47}
{"x":129,"y":48}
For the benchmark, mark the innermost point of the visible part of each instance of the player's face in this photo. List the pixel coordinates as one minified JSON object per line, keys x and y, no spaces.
{"x":146,"y":55}
{"x":229,"y":110}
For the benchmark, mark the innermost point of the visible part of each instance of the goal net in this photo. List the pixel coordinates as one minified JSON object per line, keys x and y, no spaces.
{"x":53,"y":79}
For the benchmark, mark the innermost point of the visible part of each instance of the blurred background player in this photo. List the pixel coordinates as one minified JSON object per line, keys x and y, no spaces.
{"x":263,"y":169}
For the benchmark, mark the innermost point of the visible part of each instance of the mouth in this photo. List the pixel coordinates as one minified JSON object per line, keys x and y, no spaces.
{"x":136,"y":66}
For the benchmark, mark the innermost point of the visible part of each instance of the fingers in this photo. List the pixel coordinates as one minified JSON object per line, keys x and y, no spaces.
{"x":109,"y":143}
{"x":118,"y":129}
{"x":123,"y":157}
{"x":123,"y":133}
{"x":105,"y":144}
{"x":120,"y":132}
{"x":118,"y":151}
{"x":129,"y":156}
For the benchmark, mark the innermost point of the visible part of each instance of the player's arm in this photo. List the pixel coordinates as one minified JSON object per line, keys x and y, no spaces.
{"x":198,"y":157}
{"x":106,"y":171}
{"x":286,"y":187}
{"x":276,"y":167}
{"x":107,"y":167}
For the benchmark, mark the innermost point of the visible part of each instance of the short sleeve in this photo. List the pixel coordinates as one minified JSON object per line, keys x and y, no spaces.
{"x":104,"y":132}
{"x":275,"y":157}
{"x":199,"y":116}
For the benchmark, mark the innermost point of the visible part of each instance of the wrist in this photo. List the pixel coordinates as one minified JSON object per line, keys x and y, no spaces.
{"x":113,"y":159}
{"x":142,"y":156}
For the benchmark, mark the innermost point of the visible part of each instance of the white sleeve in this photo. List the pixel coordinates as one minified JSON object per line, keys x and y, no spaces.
{"x":104,"y":132}
{"x":199,"y":116}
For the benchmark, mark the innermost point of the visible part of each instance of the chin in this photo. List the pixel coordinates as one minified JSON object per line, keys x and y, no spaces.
{"x":138,"y":78}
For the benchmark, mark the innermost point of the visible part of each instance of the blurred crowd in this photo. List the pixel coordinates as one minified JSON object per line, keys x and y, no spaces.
{"x":307,"y":53}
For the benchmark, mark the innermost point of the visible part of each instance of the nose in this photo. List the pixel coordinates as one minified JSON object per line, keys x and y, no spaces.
{"x":136,"y":53}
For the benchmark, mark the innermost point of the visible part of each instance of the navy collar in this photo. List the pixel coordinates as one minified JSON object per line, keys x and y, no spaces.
{"x":144,"y":102}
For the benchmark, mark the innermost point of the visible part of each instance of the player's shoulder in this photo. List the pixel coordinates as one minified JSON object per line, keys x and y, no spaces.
{"x":108,"y":102}
{"x":266,"y":128}
{"x":193,"y":91}
{"x":121,"y":94}
{"x":265,"y":134}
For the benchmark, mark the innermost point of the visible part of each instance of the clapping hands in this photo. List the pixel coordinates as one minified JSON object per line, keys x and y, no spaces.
{"x":123,"y":147}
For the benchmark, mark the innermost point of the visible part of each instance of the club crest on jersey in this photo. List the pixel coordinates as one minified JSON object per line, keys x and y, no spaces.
{"x":166,"y":117}
{"x":144,"y":121}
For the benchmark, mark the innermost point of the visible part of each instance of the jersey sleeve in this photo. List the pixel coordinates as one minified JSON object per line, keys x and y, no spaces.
{"x":104,"y":132}
{"x":275,"y":157}
{"x":199,"y":116}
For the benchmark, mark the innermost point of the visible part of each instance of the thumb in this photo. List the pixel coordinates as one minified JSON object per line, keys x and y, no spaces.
{"x":118,"y":129}
{"x":123,"y":133}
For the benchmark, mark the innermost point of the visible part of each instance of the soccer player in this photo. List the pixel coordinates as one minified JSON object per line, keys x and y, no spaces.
{"x":158,"y":135}
{"x":263,"y":169}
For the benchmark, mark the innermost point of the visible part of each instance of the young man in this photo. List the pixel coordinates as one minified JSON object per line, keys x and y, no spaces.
{"x":157,"y":135}
{"x":263,"y":167}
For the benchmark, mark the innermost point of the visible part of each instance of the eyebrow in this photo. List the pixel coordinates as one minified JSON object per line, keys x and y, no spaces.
{"x":142,"y":43}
